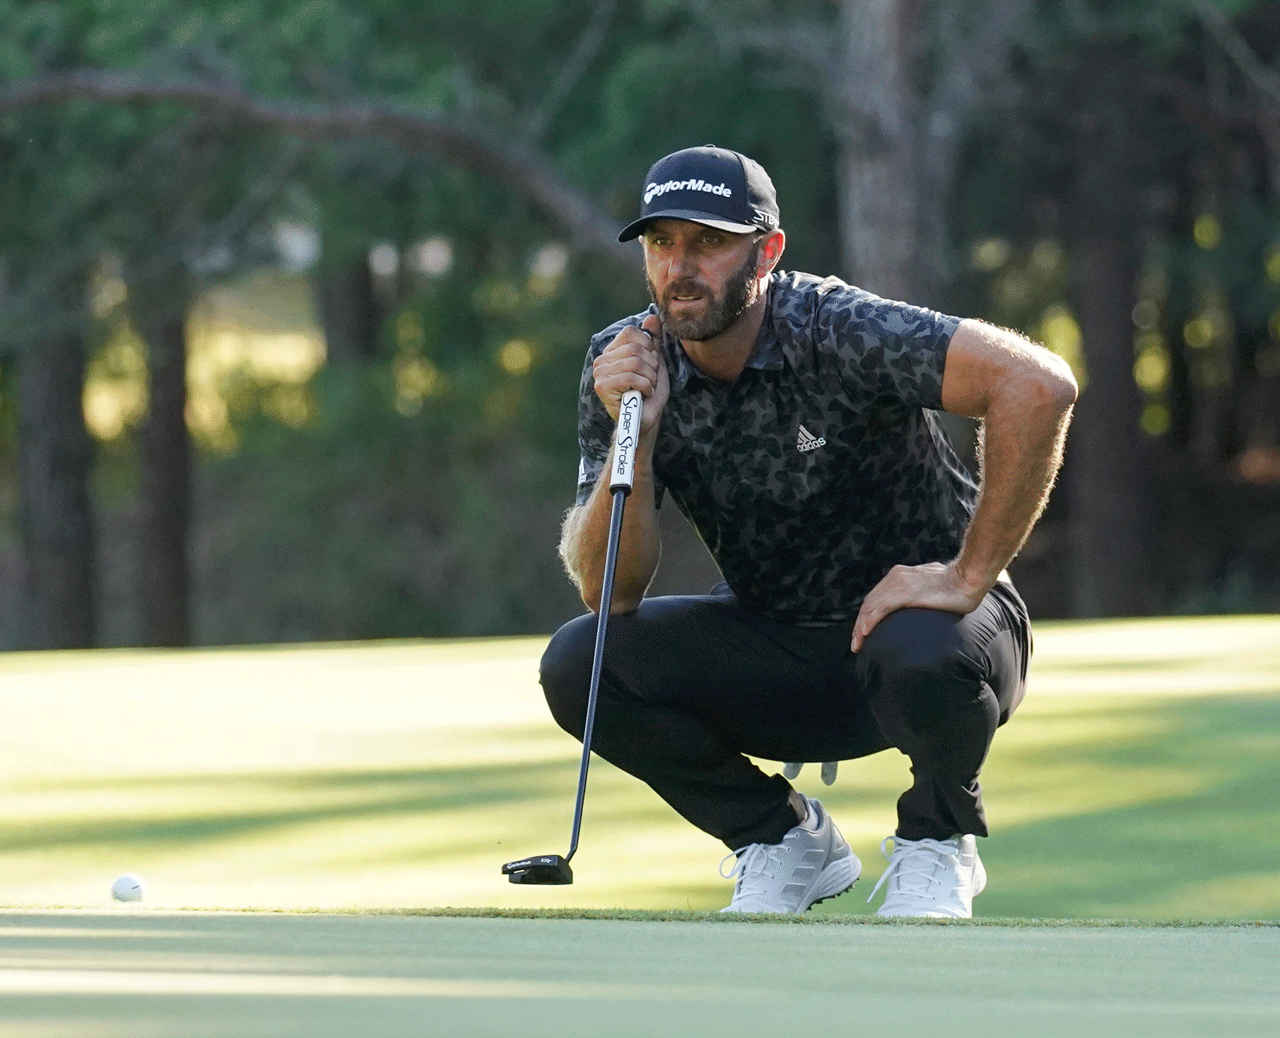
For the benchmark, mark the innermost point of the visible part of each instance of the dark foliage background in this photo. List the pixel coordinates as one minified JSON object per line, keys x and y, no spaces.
{"x":294,"y":294}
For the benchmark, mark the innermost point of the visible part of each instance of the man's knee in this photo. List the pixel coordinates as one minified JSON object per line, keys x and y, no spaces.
{"x":565,"y":672}
{"x":918,"y":657}
{"x":927,"y":693}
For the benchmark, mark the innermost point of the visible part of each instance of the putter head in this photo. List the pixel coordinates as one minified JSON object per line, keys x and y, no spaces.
{"x":545,"y":869}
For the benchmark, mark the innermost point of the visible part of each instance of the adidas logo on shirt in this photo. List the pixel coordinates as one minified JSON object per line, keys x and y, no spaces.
{"x":806,"y":441}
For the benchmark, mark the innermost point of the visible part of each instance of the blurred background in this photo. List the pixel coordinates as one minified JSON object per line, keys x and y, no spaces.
{"x":294,"y":294}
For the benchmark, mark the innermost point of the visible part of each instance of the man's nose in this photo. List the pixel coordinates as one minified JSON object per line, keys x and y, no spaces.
{"x":681,"y":263}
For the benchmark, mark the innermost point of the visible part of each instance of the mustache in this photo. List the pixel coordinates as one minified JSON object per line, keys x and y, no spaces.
{"x":686,"y":288}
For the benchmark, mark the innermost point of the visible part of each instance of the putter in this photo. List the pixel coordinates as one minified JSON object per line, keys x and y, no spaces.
{"x":552,"y":868}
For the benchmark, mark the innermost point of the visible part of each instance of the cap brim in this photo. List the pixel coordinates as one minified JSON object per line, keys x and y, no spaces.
{"x":635,"y":229}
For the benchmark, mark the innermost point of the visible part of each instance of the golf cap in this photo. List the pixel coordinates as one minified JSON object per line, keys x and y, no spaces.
{"x":708,"y":185}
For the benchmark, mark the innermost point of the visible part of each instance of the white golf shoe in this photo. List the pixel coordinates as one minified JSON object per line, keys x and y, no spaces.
{"x":931,"y":878}
{"x":811,"y":864}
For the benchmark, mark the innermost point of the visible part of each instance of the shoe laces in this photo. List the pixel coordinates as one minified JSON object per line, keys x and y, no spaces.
{"x":914,"y":865}
{"x":754,"y":861}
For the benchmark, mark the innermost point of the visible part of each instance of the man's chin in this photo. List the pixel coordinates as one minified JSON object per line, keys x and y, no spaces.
{"x":685,"y":333}
{"x":690,"y":330}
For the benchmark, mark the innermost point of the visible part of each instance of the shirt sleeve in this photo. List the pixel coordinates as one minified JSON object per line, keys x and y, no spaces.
{"x":884,"y":349}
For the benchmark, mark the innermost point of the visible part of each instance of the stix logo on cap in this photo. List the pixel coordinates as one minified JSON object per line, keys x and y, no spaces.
{"x":709,"y":185}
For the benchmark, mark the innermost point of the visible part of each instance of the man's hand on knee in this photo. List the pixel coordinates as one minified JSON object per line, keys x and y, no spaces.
{"x":933,"y":585}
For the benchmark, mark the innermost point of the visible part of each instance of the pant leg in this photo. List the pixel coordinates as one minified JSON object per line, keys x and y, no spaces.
{"x":690,"y":685}
{"x":939,"y":685}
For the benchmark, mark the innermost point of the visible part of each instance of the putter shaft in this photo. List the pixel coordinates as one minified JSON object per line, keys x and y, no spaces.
{"x":552,"y":868}
{"x":597,"y":664}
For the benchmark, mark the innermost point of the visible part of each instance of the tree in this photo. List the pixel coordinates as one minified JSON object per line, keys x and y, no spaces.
{"x":900,"y":82}
{"x":1133,"y":146}
{"x":1108,"y":484}
{"x":55,"y":460}
{"x":43,"y":336}
{"x":480,"y":125}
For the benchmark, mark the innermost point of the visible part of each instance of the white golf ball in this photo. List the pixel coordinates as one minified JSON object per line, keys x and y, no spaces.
{"x":128,"y":888}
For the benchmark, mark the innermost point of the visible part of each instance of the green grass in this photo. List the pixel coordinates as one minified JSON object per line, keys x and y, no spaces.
{"x":209,"y":975}
{"x":1136,"y":782}
{"x":353,"y":805}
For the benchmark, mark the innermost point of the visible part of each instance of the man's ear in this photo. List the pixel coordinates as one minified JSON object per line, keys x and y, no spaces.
{"x":770,"y":252}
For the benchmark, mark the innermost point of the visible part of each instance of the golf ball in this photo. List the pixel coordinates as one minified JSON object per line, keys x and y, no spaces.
{"x":128,"y":888}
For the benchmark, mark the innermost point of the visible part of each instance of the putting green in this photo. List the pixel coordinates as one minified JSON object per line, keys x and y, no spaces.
{"x":1137,"y":781}
{"x":206,"y":975}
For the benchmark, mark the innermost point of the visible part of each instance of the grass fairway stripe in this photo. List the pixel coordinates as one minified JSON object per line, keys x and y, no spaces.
{"x":1135,"y":783}
{"x":207,"y":974}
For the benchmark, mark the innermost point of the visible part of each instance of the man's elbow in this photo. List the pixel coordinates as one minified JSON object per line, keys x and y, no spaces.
{"x":1053,"y":389}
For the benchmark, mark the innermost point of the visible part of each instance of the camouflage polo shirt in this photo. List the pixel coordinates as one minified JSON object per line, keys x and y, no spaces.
{"x":823,"y":465}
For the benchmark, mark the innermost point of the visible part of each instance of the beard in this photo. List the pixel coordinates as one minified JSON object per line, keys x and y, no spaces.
{"x":721,"y":310}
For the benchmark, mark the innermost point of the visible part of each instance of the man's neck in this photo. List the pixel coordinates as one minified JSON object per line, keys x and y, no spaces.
{"x":725,"y":356}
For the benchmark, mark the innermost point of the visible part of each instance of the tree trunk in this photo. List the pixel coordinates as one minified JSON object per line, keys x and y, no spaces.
{"x":56,"y":515}
{"x":349,"y":308}
{"x":877,"y":105}
{"x":908,"y":78}
{"x":164,"y":522}
{"x":1108,"y":483}
{"x":900,"y":128}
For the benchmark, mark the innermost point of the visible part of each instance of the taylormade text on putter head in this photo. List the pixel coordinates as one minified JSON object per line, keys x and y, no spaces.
{"x":552,"y":868}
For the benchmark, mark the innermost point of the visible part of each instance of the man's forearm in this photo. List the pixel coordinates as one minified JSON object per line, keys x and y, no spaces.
{"x":1024,"y":396}
{"x":1023,"y":438}
{"x":585,"y":537}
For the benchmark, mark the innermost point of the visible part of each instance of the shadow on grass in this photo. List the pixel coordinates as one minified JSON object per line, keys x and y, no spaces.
{"x":223,"y":807}
{"x":191,"y":812}
{"x":1129,"y":807}
{"x":1186,"y":823}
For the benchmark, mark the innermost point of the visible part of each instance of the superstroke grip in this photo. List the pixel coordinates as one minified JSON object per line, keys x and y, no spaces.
{"x":626,"y":442}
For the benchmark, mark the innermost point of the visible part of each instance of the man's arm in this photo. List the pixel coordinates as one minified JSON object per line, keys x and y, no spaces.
{"x":631,"y":361}
{"x":1024,"y":395}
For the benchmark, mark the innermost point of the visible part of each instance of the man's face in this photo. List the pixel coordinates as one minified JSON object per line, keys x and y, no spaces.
{"x":701,"y":279}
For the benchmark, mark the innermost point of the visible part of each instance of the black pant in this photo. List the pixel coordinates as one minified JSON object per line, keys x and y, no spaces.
{"x":690,"y":684}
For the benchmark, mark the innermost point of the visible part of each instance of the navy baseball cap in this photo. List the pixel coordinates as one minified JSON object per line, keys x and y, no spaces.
{"x":708,"y":185}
